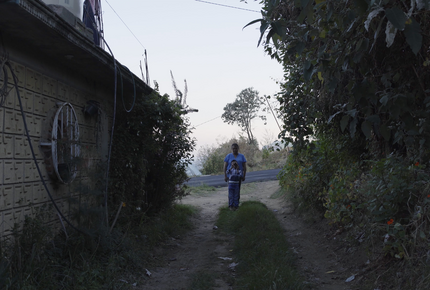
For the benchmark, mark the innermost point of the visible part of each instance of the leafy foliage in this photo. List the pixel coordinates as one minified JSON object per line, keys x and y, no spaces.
{"x":152,"y":150}
{"x":359,"y":66}
{"x":243,"y":110}
{"x":355,"y":104}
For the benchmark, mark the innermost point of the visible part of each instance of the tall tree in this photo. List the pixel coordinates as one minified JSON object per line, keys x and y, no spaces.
{"x":243,"y":110}
{"x":356,"y":67}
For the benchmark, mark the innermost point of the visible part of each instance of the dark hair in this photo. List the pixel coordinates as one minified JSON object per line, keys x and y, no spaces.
{"x":235,"y":144}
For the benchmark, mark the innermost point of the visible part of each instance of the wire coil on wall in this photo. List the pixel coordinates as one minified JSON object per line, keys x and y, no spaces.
{"x":64,"y":143}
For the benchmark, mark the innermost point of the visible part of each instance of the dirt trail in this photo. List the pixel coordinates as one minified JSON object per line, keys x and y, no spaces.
{"x":324,"y":261}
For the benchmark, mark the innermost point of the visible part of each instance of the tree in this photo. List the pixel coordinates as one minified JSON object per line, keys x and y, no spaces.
{"x":243,"y":110}
{"x":359,"y":68}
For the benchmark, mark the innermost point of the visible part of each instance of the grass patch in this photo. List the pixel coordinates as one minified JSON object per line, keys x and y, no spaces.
{"x":279,"y":193}
{"x":247,"y":188}
{"x":202,"y":190}
{"x":265,"y":260}
{"x":36,"y":259}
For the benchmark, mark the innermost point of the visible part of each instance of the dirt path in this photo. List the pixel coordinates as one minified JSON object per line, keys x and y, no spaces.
{"x":324,"y":261}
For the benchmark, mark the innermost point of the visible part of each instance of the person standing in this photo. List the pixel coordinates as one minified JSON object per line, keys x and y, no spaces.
{"x":234,"y":177}
{"x":241,"y":161}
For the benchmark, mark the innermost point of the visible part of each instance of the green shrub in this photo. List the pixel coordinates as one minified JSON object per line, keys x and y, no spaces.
{"x":152,"y":149}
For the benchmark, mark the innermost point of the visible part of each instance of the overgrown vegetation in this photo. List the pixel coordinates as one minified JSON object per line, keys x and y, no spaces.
{"x":34,"y":258}
{"x":151,"y":150}
{"x":260,"y":247}
{"x":211,"y":159}
{"x":355,"y":104}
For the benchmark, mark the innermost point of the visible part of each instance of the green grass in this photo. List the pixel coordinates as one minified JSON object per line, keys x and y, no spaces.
{"x":279,"y":193}
{"x":265,"y":260}
{"x":34,"y":259}
{"x":202,"y":190}
{"x":247,"y":188}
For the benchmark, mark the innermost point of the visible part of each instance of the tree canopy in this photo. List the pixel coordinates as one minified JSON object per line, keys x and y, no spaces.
{"x":359,"y":67}
{"x":243,"y":110}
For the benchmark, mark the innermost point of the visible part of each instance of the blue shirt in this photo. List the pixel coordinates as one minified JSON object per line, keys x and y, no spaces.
{"x":240,"y":160}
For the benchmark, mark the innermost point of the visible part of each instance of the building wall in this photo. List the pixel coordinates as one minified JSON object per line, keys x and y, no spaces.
{"x":42,"y":84}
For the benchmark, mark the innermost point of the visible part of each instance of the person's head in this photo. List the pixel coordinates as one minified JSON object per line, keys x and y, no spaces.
{"x":234,"y":164}
{"x":235,"y":148}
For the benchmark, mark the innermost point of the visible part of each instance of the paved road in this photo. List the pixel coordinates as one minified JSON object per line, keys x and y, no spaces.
{"x":218,"y":180}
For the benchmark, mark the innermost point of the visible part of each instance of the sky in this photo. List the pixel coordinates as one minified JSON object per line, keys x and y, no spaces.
{"x":202,"y":43}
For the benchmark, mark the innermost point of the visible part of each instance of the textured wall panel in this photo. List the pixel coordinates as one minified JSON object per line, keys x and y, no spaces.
{"x":20,"y":143}
{"x":36,"y":147}
{"x":19,"y":71}
{"x":49,"y":86}
{"x":18,"y":195}
{"x":29,"y":171}
{"x":11,"y":97}
{"x":26,"y":100}
{"x":9,"y":121}
{"x":39,"y":193}
{"x":63,"y":92}
{"x":29,"y":101}
{"x":28,"y":194}
{"x":37,"y":125}
{"x":43,"y":104}
{"x":20,"y":123}
{"x":6,"y":197}
{"x":34,"y":81}
{"x":42,"y":167}
{"x":9,"y":172}
{"x":30,"y":124}
{"x":6,"y":146}
{"x":30,"y":83}
{"x":38,"y":83}
{"x":1,"y":172}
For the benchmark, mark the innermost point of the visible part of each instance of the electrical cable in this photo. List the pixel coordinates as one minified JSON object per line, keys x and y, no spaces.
{"x":32,"y":149}
{"x":280,"y":129}
{"x":208,"y":121}
{"x":112,"y":130}
{"x":207,"y":2}
{"x":134,"y":87}
{"x":3,"y":90}
{"x":113,"y":123}
{"x":125,"y":24}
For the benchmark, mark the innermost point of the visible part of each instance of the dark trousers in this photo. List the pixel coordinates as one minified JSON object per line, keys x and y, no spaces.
{"x":233,"y":194}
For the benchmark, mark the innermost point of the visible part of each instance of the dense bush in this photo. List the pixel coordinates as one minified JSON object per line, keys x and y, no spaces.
{"x":355,"y":104}
{"x":386,"y":198}
{"x":152,"y":148}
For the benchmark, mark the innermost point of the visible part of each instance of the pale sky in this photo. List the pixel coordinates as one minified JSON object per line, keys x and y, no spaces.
{"x":202,"y":43}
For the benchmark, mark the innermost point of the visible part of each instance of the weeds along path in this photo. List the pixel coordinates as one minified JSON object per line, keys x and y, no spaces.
{"x":323,"y":259}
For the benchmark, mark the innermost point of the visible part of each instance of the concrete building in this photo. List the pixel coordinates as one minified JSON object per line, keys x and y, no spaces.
{"x":67,"y":84}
